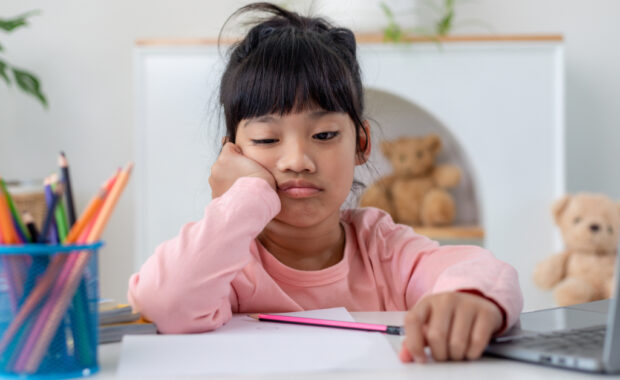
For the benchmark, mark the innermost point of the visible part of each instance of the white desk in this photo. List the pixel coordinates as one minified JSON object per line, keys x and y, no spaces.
{"x":484,"y":368}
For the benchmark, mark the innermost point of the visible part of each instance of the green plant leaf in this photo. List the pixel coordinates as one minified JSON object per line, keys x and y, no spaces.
{"x":444,"y":25}
{"x":392,"y":32}
{"x":3,"y":74}
{"x":29,"y":84}
{"x":13,"y":23}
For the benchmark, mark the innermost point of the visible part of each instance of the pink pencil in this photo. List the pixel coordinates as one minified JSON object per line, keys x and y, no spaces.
{"x":392,"y":330}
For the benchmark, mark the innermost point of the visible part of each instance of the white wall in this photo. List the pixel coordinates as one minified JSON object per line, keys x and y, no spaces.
{"x":82,"y":51}
{"x":590,"y":29}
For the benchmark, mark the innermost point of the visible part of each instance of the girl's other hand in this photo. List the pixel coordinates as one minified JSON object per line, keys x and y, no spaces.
{"x":454,"y":325}
{"x":232,"y":164}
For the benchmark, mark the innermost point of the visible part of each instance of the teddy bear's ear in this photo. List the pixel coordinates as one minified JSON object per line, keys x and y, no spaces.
{"x":386,"y":148}
{"x":433,"y":142}
{"x":558,"y":207}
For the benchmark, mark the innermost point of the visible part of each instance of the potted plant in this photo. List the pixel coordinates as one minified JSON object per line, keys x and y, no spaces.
{"x":25,"y":80}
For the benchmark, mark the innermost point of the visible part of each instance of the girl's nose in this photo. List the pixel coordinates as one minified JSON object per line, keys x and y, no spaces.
{"x":295,"y":158}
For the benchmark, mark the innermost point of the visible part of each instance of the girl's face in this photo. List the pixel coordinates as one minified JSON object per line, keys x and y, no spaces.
{"x":312,"y":156}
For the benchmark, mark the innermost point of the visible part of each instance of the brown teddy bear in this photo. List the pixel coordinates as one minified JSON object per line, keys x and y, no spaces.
{"x":590,"y":225}
{"x":415,"y":193}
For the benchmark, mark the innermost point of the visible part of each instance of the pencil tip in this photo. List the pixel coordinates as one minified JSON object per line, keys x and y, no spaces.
{"x":27,"y":217}
{"x":62,"y":160}
{"x":255,"y":316}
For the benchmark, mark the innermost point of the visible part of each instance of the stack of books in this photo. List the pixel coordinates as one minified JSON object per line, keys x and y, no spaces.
{"x":116,"y":320}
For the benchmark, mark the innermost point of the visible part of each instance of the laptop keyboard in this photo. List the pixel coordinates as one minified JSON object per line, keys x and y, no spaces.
{"x":587,"y":341}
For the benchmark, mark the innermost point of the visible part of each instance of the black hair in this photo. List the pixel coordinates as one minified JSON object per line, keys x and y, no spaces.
{"x":290,"y":63}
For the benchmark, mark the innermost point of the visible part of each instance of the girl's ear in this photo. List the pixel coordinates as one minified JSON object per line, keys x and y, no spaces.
{"x":364,"y":143}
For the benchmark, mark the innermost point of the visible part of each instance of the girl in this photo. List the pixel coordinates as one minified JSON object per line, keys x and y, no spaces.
{"x":274,"y":238}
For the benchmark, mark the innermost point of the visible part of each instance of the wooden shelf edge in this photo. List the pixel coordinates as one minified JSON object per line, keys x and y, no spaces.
{"x":451,"y":232}
{"x":373,"y":38}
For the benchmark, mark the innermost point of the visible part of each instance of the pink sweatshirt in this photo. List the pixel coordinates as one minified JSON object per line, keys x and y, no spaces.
{"x":216,"y":267}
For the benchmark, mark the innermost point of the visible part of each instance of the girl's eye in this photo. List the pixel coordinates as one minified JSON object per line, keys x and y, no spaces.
{"x":264,"y":141}
{"x":326,"y":135}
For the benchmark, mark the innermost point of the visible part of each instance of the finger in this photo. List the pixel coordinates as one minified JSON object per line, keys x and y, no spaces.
{"x":438,"y":329}
{"x":404,"y":354}
{"x":414,"y":336}
{"x":459,"y":333}
{"x":230,"y":147}
{"x":480,"y":335}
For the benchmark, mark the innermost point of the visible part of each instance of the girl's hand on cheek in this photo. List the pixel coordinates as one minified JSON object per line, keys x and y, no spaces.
{"x":454,"y":325}
{"x":232,"y":164}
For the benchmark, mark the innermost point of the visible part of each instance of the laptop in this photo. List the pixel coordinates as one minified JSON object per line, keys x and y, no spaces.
{"x":583,"y":337}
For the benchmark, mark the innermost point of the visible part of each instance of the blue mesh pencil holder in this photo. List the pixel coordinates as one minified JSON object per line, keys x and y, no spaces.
{"x":48,"y":310}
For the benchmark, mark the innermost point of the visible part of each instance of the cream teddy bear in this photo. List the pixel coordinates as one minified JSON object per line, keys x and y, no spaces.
{"x":583,"y":272}
{"x":415,"y":193}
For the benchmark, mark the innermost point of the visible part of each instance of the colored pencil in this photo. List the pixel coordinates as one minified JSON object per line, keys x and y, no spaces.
{"x":387,"y":329}
{"x":20,"y":225}
{"x":11,"y":263}
{"x":63,"y":337}
{"x":66,"y":286}
{"x":87,"y":217}
{"x":14,"y":287}
{"x":47,"y":224}
{"x":6,"y":223}
{"x":79,"y":311}
{"x":60,"y":215}
{"x":30,"y":226}
{"x":66,"y":178}
{"x":19,"y":234}
{"x":52,"y":235}
{"x":39,"y":262}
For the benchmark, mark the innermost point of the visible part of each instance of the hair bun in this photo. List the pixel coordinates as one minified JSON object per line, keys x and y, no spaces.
{"x":264,"y":32}
{"x":343,"y":37}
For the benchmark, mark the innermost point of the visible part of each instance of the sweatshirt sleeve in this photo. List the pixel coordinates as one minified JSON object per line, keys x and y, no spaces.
{"x":424,"y":267}
{"x":184,"y":286}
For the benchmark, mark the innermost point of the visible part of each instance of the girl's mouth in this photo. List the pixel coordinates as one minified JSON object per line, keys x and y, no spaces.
{"x":299,"y":192}
{"x":298,"y":189}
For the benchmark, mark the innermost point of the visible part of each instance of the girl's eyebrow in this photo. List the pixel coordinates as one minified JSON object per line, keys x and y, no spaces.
{"x":261,"y":119}
{"x":319,"y":114}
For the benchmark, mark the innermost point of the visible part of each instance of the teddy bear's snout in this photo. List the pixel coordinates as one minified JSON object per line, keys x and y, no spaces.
{"x":595,"y":227}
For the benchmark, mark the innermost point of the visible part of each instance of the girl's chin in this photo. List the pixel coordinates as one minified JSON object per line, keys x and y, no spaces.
{"x":303,"y":219}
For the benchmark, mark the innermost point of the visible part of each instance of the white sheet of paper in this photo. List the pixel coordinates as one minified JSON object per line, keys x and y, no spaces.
{"x":247,"y":346}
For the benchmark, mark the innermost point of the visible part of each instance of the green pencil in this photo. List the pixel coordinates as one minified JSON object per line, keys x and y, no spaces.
{"x":60,"y":213}
{"x":14,"y":212}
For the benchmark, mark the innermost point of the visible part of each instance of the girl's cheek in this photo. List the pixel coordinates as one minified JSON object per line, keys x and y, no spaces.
{"x":263,"y":157}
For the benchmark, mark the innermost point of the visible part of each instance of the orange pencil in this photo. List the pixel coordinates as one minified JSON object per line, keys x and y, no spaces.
{"x":92,"y":208}
{"x":77,"y":263}
{"x":6,"y":223}
{"x":86,"y":231}
{"x":9,"y":236}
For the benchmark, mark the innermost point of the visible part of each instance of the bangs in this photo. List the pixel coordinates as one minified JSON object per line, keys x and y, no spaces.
{"x":289,"y":72}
